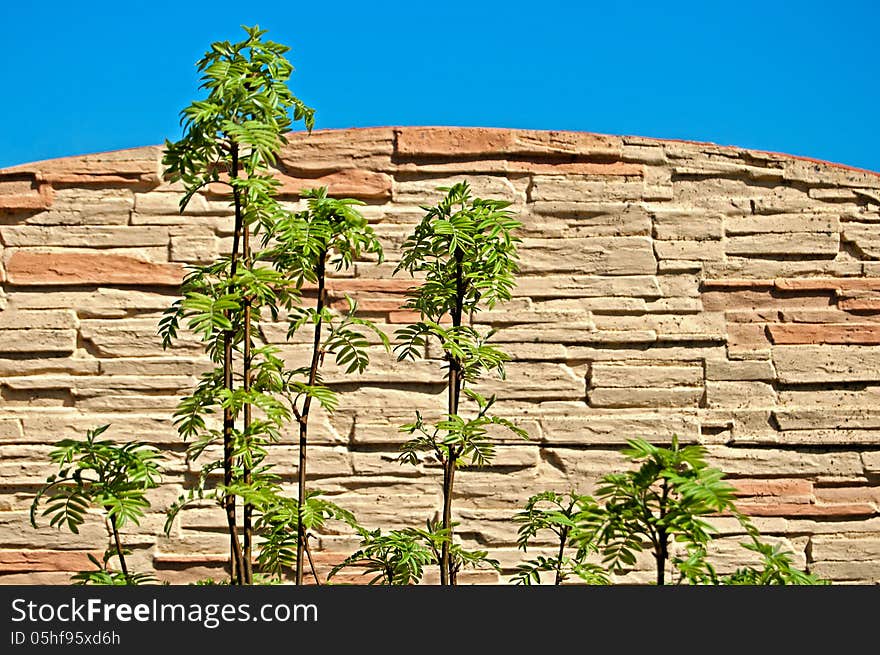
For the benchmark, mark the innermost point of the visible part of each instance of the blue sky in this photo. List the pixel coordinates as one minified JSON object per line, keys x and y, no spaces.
{"x":795,"y":77}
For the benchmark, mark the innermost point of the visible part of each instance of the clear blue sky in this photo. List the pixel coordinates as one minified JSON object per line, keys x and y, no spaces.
{"x":795,"y":77}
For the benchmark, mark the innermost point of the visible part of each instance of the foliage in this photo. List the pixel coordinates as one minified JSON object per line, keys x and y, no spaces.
{"x":328,"y":233}
{"x":231,"y":139}
{"x":113,"y":478}
{"x":558,"y":514}
{"x":465,"y":249}
{"x":667,"y":499}
{"x":400,"y":556}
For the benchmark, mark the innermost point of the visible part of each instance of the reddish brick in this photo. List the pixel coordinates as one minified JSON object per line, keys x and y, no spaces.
{"x":790,"y":491}
{"x":351,"y":183}
{"x":804,"y":333}
{"x":829,"y":283}
{"x":482,"y":141}
{"x":28,"y":268}
{"x":589,"y":169}
{"x":806,"y":509}
{"x":46,"y":560}
{"x":133,"y":164}
{"x":734,"y":283}
{"x":747,"y":336}
{"x":860,"y":305}
{"x":23,"y":191}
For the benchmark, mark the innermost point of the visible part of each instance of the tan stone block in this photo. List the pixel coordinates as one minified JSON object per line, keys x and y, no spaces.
{"x":52,"y":319}
{"x":701,"y":327}
{"x":642,"y":351}
{"x":864,"y":397}
{"x":10,"y":429}
{"x":577,"y":286}
{"x":85,"y":216}
{"x":858,"y":572}
{"x":72,"y":366}
{"x":871,"y":461}
{"x":844,"y":495}
{"x":741,"y":395}
{"x":136,"y":337}
{"x":329,"y":150}
{"x":16,"y":533}
{"x":791,"y":243}
{"x":806,"y":418}
{"x":674,"y":306}
{"x":28,"y":268}
{"x":694,"y":251}
{"x":739,"y":461}
{"x":534,"y":381}
{"x":619,"y":375}
{"x":598,"y":255}
{"x":645,"y":397}
{"x":194,"y":249}
{"x":424,"y":191}
{"x":825,"y":364}
{"x":100,"y":303}
{"x":813,"y":172}
{"x":845,"y":548}
{"x":615,"y":427}
{"x":781,"y":224}
{"x":588,"y":219}
{"x":562,"y":333}
{"x":583,"y":188}
{"x":33,"y":340}
{"x":675,"y":224}
{"x":159,"y":203}
{"x":149,"y":366}
{"x":746,"y":266}
{"x":726,"y":370}
{"x":93,"y":236}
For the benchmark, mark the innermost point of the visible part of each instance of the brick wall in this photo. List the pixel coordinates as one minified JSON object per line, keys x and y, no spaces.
{"x":729,"y":296}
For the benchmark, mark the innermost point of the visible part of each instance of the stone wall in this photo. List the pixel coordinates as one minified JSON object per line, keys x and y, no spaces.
{"x":729,"y":296}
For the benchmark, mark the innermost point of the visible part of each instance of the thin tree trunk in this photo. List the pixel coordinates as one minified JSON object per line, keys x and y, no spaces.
{"x":454,"y":392}
{"x":236,"y":557}
{"x":119,"y":552}
{"x":562,"y":539}
{"x":304,"y":421}
{"x":662,"y":553}
{"x":248,"y":509}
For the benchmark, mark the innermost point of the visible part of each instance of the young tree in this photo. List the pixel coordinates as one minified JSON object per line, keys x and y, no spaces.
{"x":329,"y":235}
{"x":667,"y":498}
{"x":233,"y":137}
{"x":466,"y":249}
{"x":111,"y":477}
{"x":558,"y":514}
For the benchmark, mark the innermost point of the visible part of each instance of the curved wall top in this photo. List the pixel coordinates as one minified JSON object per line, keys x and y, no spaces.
{"x":726,"y":295}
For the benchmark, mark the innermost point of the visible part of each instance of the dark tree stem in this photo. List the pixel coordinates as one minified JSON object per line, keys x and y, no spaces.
{"x":562,"y":539}
{"x":236,"y":556}
{"x":119,"y":552}
{"x":662,"y":550}
{"x":304,"y":418}
{"x":454,"y":392}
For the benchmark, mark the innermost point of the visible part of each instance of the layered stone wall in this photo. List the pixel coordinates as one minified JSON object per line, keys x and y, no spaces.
{"x":729,"y":296}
